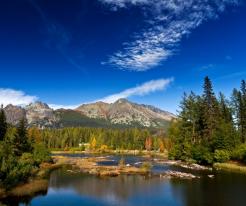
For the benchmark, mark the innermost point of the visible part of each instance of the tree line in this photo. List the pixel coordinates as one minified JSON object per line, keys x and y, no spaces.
{"x":130,"y":138}
{"x":210,"y":128}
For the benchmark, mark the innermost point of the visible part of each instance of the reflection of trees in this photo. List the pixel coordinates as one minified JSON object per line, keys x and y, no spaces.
{"x":15,"y":201}
{"x":225,"y":189}
{"x":112,"y":189}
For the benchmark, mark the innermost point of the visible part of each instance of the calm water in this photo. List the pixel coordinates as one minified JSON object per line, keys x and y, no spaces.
{"x":74,"y":188}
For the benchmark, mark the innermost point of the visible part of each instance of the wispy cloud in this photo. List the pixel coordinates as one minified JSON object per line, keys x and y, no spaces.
{"x":240,"y":74}
{"x":15,"y":97}
{"x":141,"y":90}
{"x":60,"y":106}
{"x":169,"y":22}
{"x":228,"y":58}
{"x":206,"y":67}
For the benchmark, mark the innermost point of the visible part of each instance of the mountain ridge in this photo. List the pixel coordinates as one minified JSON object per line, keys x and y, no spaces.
{"x":99,"y":114}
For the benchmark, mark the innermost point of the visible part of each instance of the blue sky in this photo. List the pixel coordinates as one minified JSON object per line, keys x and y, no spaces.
{"x":149,"y":51}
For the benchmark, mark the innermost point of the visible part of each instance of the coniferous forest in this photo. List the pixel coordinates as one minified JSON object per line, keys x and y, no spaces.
{"x":20,"y":155}
{"x":210,"y":128}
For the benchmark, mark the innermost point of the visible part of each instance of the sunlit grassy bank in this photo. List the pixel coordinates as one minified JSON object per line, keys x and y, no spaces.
{"x":231,"y":166}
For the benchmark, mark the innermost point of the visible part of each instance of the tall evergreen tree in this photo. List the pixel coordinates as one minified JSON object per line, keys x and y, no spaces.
{"x":20,"y":141}
{"x":225,"y":110}
{"x":210,"y":109}
{"x":3,"y":124}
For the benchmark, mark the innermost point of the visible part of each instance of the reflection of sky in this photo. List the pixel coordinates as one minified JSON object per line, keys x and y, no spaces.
{"x":66,"y":188}
{"x":126,"y":190}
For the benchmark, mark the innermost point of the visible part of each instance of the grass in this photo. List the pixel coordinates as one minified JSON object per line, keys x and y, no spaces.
{"x":30,"y":189}
{"x":26,"y":190}
{"x":231,"y":166}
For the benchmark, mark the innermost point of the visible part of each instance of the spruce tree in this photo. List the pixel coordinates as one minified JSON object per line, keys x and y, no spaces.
{"x":225,"y":110}
{"x":3,"y":124}
{"x":21,"y":142}
{"x":210,"y":109}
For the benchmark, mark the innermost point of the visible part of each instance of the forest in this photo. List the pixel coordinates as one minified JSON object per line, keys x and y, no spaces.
{"x":210,"y":128}
{"x":97,"y":138}
{"x":20,"y":155}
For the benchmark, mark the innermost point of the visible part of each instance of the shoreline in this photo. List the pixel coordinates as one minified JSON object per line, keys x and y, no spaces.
{"x":231,"y":166}
{"x":37,"y":184}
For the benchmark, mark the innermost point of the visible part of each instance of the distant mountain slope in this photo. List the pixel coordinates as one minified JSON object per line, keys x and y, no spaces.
{"x":126,"y":113}
{"x":121,"y":113}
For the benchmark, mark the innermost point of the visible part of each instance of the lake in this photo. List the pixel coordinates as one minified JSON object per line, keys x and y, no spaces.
{"x":71,"y":187}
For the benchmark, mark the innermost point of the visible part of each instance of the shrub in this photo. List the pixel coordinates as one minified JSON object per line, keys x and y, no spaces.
{"x":202,"y":155}
{"x":175,"y":153}
{"x":240,"y":153}
{"x":122,"y":162}
{"x":26,"y":159}
{"x":146,"y":166}
{"x":221,"y":155}
{"x":41,"y":153}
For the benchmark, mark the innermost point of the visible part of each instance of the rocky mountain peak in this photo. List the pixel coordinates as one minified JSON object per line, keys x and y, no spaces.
{"x":38,"y":105}
{"x":125,"y":112}
{"x":121,"y":101}
{"x":14,"y":114}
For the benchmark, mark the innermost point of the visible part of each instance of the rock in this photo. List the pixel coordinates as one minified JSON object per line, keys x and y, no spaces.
{"x":39,"y":114}
{"x":176,"y":174}
{"x":14,"y":114}
{"x":125,"y":112}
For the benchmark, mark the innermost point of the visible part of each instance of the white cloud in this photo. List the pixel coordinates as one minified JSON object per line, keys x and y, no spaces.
{"x":59,"y":106}
{"x":143,"y":89}
{"x":169,"y":22}
{"x":10,"y":96}
{"x":15,"y":97}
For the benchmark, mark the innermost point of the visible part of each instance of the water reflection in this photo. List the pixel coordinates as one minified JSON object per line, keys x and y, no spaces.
{"x":72,"y":188}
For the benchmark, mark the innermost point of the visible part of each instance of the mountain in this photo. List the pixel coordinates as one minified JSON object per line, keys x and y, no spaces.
{"x":124,"y":112}
{"x":121,"y":113}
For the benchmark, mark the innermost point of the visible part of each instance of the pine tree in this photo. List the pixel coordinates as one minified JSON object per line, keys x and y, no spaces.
{"x":225,"y":110}
{"x":20,"y":141}
{"x":210,"y":109}
{"x":3,"y":124}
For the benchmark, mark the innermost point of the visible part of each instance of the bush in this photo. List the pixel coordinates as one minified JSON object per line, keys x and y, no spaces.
{"x":41,"y":153}
{"x":221,"y":155}
{"x":202,"y":155}
{"x":175,"y":153}
{"x":26,"y":159}
{"x":146,"y":166}
{"x":16,"y":170}
{"x":122,"y":162}
{"x":240,"y":153}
